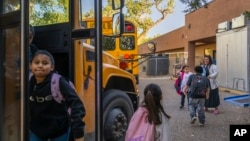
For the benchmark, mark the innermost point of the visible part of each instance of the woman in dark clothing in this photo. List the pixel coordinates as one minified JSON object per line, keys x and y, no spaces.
{"x":49,"y":119}
{"x":211,"y":71}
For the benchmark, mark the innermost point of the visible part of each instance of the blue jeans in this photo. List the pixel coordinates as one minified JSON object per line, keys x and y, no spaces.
{"x":197,"y":105}
{"x":63,"y":137}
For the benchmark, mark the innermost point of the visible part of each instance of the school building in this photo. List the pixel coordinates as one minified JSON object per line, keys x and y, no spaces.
{"x":198,"y":36}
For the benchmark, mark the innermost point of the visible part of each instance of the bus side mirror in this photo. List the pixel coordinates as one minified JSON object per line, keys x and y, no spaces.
{"x":117,"y":4}
{"x":118,"y":24}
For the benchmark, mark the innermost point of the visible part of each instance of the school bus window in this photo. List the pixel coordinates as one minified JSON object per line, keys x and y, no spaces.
{"x":108,"y":43}
{"x":84,"y":40}
{"x":90,"y":56}
{"x":92,"y":42}
{"x":127,"y":42}
{"x":10,"y":6}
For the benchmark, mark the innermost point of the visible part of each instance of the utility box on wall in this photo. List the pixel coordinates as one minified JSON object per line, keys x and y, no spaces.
{"x":158,"y":65}
{"x":233,"y":58}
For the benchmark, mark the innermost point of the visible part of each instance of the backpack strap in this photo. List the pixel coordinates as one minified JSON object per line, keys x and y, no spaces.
{"x":55,"y":88}
{"x":182,"y":74}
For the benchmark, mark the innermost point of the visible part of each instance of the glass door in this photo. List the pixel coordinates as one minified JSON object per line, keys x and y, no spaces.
{"x":12,"y":68}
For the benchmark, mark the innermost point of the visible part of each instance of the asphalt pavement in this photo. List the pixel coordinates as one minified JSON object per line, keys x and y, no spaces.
{"x":216,"y":126}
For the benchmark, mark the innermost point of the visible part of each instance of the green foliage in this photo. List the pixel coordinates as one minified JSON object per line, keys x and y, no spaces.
{"x":139,"y":11}
{"x":193,"y":5}
{"x":247,"y":14}
{"x":45,"y":12}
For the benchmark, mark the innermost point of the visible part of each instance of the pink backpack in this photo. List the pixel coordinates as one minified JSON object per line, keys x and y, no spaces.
{"x":139,"y":128}
{"x":55,"y":89}
{"x":177,"y":83}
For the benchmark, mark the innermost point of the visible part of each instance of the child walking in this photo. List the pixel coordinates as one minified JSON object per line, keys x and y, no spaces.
{"x":198,"y":86}
{"x":50,"y":120}
{"x":186,"y":74}
{"x":150,"y":113}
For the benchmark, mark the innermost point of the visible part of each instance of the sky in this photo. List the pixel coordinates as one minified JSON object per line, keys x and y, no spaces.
{"x":172,"y":22}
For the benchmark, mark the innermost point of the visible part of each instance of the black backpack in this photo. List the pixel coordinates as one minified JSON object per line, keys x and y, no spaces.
{"x":198,"y":86}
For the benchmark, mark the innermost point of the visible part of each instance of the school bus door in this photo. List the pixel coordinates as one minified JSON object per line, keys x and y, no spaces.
{"x":13,"y":69}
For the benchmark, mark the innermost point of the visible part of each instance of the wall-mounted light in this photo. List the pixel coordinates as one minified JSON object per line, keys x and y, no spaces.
{"x":152,"y":47}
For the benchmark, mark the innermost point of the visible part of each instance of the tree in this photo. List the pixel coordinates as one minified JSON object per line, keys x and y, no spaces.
{"x":193,"y":5}
{"x":247,"y":14}
{"x":44,"y":12}
{"x":139,"y":12}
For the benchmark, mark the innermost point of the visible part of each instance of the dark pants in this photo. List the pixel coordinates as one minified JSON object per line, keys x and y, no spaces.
{"x":63,"y":137}
{"x":183,"y":99}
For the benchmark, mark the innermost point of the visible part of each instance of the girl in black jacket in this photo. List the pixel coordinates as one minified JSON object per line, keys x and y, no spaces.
{"x":50,"y":120}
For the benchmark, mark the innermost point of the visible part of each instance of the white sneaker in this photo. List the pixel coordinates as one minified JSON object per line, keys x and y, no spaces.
{"x":201,"y":124}
{"x":193,"y":120}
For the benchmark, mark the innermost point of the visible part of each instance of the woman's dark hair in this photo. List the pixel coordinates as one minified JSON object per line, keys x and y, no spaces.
{"x":183,"y":67}
{"x":45,"y":52}
{"x":210,"y":59}
{"x":152,"y":101}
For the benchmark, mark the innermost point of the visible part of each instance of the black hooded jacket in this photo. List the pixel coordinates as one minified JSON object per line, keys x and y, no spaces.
{"x":49,"y":119}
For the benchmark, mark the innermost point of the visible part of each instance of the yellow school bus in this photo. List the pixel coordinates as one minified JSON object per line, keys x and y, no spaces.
{"x":110,"y":94}
{"x":124,"y":48}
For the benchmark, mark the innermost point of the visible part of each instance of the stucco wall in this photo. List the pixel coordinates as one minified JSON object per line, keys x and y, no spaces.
{"x":170,"y":41}
{"x":203,"y":22}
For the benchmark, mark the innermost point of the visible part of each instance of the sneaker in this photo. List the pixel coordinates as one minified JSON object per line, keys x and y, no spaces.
{"x":201,"y":124}
{"x":181,"y":107}
{"x":216,"y":112}
{"x":193,"y":120}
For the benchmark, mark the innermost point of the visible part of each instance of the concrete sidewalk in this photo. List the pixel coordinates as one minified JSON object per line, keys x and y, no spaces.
{"x":216,"y":127}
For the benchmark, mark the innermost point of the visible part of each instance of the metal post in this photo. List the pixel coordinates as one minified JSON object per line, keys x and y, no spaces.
{"x":98,"y":72}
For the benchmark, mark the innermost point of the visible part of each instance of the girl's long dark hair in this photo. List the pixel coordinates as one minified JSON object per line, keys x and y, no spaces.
{"x":152,"y":98}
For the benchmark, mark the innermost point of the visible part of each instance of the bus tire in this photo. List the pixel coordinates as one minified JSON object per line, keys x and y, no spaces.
{"x":117,"y":112}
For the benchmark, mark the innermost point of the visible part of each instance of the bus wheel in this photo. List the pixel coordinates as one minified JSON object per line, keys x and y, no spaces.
{"x":118,"y":110}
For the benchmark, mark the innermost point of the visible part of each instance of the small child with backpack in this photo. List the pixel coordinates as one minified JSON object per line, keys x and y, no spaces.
{"x":55,"y":111}
{"x":150,"y":122}
{"x":197,"y":88}
{"x":186,"y":74}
